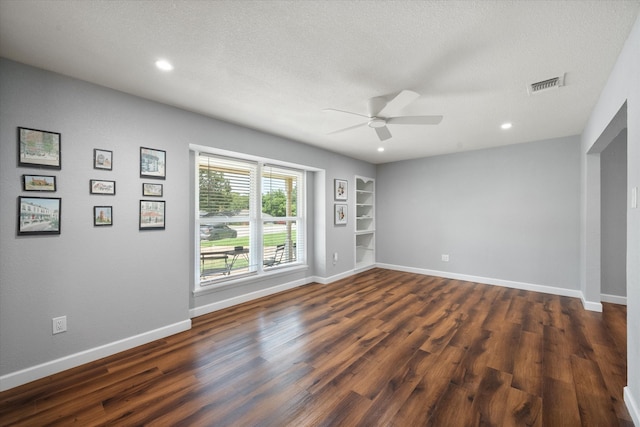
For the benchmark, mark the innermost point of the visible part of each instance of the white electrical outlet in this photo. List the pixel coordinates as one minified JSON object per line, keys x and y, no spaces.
{"x":335,"y":257}
{"x":59,"y":324}
{"x":445,"y":257}
{"x":634,"y":198}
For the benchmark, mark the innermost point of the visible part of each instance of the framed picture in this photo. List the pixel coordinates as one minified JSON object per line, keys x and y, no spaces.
{"x":102,"y":159}
{"x":152,"y":215}
{"x":38,"y":183}
{"x":340,"y":189}
{"x":39,"y":215}
{"x":102,"y":215}
{"x":152,"y":163}
{"x":39,"y":148}
{"x":151,"y":190}
{"x":99,"y":186}
{"x":340,"y":214}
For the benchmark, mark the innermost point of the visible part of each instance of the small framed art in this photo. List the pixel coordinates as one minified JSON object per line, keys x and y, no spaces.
{"x":99,"y":186}
{"x":102,"y":215}
{"x":340,"y":189}
{"x":39,"y":215}
{"x":102,"y":159}
{"x":153,"y":163}
{"x":38,"y":183}
{"x":340,"y":214}
{"x":39,"y":148}
{"x":152,"y":215}
{"x":151,"y":190}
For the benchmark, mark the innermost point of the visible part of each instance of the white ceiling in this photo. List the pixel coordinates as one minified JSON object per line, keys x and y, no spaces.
{"x":275,"y":65}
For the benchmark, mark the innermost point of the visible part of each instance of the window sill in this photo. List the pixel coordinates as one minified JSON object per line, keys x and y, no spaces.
{"x":248,"y":278}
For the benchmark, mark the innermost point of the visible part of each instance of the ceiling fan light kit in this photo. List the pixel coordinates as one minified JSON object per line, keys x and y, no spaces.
{"x":381,"y":114}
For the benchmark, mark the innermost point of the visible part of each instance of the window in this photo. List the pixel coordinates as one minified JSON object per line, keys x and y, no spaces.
{"x":250,"y":218}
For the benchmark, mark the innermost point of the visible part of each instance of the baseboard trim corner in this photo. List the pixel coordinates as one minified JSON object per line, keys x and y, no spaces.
{"x":632,"y":406}
{"x":591,"y":305}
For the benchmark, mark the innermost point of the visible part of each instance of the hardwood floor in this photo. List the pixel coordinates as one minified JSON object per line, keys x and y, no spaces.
{"x":382,"y":348}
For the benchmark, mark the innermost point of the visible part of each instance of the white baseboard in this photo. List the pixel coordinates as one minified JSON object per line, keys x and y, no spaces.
{"x":591,"y":305}
{"x":613,"y":299}
{"x":490,"y":281}
{"x":632,"y":406}
{"x":336,"y":277}
{"x":229,"y":302}
{"x":33,"y":373}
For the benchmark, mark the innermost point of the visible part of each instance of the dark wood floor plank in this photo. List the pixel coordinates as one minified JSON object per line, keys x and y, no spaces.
{"x":489,"y":400}
{"x":522,"y":409}
{"x":455,"y":408}
{"x":614,"y":317}
{"x":614,"y":374}
{"x":591,"y":389}
{"x":380,"y":348}
{"x":559,"y":403}
{"x":528,"y":359}
{"x":556,"y":361}
{"x":397,"y":390}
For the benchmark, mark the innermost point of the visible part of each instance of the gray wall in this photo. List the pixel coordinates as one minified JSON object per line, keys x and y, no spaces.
{"x":622,"y":89}
{"x":507,"y":213}
{"x":613,"y":170}
{"x":115,"y":283}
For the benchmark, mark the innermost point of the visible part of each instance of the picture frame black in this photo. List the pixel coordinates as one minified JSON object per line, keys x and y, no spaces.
{"x":152,"y":215}
{"x":101,"y":186}
{"x":39,"y":215}
{"x":102,"y":159}
{"x":41,"y":183}
{"x":39,"y":148}
{"x":153,"y":163}
{"x":102,"y":216}
{"x":340,"y":187}
{"x":152,"y":189}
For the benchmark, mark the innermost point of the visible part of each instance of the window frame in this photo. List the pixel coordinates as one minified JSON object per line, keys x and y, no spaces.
{"x":256,"y":220}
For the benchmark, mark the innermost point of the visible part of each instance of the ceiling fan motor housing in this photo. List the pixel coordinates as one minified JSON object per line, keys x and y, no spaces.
{"x":377,"y":122}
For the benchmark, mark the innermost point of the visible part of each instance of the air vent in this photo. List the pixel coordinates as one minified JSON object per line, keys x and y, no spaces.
{"x":547,"y":84}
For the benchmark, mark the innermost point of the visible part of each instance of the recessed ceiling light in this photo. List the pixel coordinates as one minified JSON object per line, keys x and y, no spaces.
{"x":506,"y":126}
{"x":380,"y":149}
{"x":164,"y":65}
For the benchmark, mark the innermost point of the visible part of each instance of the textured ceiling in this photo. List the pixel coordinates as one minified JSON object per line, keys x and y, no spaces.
{"x":275,"y":65}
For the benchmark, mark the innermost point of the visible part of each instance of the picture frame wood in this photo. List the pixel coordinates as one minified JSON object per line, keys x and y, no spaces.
{"x":101,"y":186}
{"x":39,"y":148}
{"x":340,"y":215}
{"x":152,"y":189}
{"x":43,"y":183}
{"x":39,"y":215}
{"x":340,"y":187}
{"x":102,"y":159}
{"x":152,"y":214}
{"x":153,"y":163}
{"x":102,"y":216}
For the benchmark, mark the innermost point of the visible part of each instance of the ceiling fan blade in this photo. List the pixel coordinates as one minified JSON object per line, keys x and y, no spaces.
{"x":383,"y":133}
{"x":374,"y":105}
{"x":348,"y":128}
{"x":401,"y":100}
{"x":346,"y":112}
{"x":414,"y":120}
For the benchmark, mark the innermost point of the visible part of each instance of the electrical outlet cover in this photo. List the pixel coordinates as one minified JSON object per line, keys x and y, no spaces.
{"x":59,"y":324}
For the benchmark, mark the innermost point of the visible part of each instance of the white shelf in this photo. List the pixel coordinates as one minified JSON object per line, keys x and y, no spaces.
{"x":361,"y":232}
{"x":364,"y":236}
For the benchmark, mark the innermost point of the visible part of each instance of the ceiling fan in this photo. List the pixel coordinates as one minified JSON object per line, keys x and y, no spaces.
{"x":380,"y":111}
